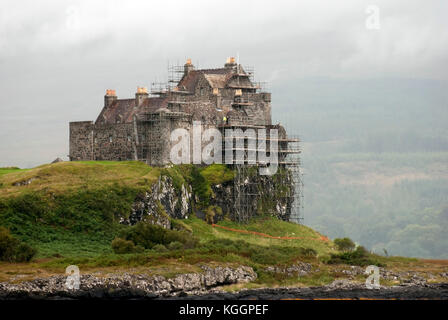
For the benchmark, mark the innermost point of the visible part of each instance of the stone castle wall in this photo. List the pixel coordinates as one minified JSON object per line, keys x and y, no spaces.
{"x":89,"y":141}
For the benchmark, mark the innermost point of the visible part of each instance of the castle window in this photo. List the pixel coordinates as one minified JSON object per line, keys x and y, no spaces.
{"x":129,"y":138}
{"x":110,"y":139}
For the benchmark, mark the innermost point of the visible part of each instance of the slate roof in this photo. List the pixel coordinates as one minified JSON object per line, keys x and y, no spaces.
{"x":217,"y":78}
{"x":123,"y":110}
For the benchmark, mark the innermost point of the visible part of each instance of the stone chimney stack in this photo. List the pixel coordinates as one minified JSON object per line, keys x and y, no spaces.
{"x":141,"y":95}
{"x":110,"y":97}
{"x":188,"y":67}
{"x":230,"y":63}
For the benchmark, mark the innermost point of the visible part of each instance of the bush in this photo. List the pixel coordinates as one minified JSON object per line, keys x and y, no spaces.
{"x":148,"y":235}
{"x":209,"y":215}
{"x":358,"y":257}
{"x":344,"y":244}
{"x":180,"y":226}
{"x":307,"y":252}
{"x":12,"y":250}
{"x":159,"y":248}
{"x":122,"y":246}
{"x":24,"y":253}
{"x":175,"y":245}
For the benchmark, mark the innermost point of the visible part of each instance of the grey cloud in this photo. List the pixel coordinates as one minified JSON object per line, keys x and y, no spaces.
{"x":58,"y":57}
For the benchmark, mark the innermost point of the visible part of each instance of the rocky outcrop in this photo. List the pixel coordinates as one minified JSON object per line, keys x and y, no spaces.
{"x":57,"y":160}
{"x":300,"y":269}
{"x":23,"y":182}
{"x":128,"y":285}
{"x":260,"y":194}
{"x":165,"y":201}
{"x":161,"y":203}
{"x":403,"y":277}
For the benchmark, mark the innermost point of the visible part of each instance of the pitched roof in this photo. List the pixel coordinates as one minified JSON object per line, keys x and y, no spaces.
{"x":125,"y":109}
{"x":217,"y":78}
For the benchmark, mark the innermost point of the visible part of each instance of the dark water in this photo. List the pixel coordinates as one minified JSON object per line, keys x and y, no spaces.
{"x":436,"y":291}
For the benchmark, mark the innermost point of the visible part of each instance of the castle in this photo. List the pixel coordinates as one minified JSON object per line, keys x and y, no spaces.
{"x":222,"y":99}
{"x":139,"y":128}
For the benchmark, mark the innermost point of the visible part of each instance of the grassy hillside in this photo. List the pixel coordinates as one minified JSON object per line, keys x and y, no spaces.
{"x":72,"y":209}
{"x":70,"y":213}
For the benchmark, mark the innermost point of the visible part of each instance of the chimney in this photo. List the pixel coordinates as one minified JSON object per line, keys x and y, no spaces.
{"x":230,"y":63}
{"x":110,"y":97}
{"x":188,"y":67}
{"x":141,"y":95}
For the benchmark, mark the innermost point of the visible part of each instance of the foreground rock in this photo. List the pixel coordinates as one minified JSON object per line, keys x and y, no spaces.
{"x":128,"y":286}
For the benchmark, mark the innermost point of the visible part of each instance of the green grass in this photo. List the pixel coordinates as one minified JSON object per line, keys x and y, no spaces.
{"x":6,"y":170}
{"x":217,"y":174}
{"x":67,"y":176}
{"x":267,"y":225}
{"x":73,"y":208}
{"x":71,"y":211}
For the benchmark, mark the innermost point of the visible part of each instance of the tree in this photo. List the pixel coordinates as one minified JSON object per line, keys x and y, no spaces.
{"x":344,"y":244}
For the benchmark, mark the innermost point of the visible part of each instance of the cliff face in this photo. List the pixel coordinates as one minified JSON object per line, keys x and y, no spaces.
{"x":160,"y":203}
{"x":258,"y":195}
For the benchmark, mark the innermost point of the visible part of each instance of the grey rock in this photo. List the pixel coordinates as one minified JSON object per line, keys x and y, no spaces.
{"x":299,"y":269}
{"x":126,"y":285}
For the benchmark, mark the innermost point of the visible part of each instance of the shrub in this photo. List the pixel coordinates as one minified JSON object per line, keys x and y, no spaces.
{"x":159,"y":248}
{"x":180,"y":226}
{"x":201,"y":187}
{"x":184,"y":237}
{"x":24,"y":253}
{"x":210,"y":214}
{"x":145,"y":234}
{"x":307,"y":252}
{"x":148,"y":235}
{"x":344,"y":244}
{"x":359,"y":257}
{"x":12,"y":250}
{"x":175,"y":245}
{"x":121,"y":246}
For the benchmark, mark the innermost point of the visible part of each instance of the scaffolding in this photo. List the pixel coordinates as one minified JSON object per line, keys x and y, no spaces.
{"x":152,"y":131}
{"x":175,"y":74}
{"x":247,"y":193}
{"x":294,"y":165}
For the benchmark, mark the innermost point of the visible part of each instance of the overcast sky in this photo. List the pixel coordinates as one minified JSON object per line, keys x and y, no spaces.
{"x":57,"y":58}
